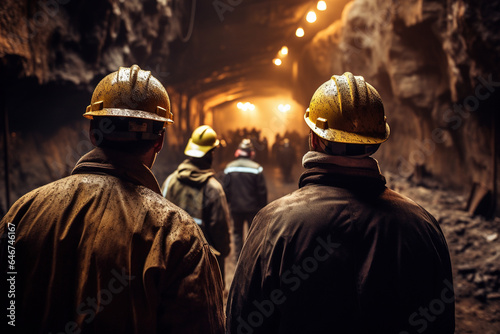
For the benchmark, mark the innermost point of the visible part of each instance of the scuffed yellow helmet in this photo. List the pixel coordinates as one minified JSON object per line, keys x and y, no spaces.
{"x":203,"y":139}
{"x":130,"y":92}
{"x":347,"y":109}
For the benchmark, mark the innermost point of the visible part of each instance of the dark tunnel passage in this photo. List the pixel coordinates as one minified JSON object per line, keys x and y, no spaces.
{"x":243,"y":68}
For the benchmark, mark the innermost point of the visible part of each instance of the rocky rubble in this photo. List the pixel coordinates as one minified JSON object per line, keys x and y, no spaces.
{"x":474,"y":244}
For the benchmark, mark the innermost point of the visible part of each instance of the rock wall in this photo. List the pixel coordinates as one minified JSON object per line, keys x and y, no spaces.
{"x":75,"y":41}
{"x":52,"y":54}
{"x":437,"y":66}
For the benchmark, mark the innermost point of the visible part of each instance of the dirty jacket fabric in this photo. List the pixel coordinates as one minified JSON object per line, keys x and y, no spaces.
{"x":245,"y":186}
{"x":102,"y":251}
{"x":342,"y":254}
{"x":199,"y":193}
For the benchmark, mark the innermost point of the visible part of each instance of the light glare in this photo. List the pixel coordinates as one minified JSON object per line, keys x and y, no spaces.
{"x":321,"y":5}
{"x":277,"y":61}
{"x":299,"y":32}
{"x":311,"y":17}
{"x":284,"y":107}
{"x":284,"y":51}
{"x":245,"y":106}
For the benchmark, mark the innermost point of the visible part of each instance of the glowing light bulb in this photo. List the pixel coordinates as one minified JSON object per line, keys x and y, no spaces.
{"x":239,"y":105}
{"x":277,"y":61}
{"x":311,"y":17}
{"x":321,"y":5}
{"x":284,"y":51}
{"x":299,"y":32}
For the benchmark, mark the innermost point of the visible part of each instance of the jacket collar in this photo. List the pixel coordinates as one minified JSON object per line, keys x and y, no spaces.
{"x":121,"y":165}
{"x":341,"y":171}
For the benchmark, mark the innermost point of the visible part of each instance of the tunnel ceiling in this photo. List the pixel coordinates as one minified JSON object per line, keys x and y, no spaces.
{"x":229,"y":54}
{"x":221,"y":53}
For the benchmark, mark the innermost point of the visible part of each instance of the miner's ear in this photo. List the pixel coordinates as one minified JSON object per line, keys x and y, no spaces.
{"x":313,"y":141}
{"x":159,"y":142}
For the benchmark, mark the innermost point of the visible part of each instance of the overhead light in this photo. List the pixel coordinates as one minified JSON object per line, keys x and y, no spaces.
{"x":311,"y":17}
{"x":277,"y":61}
{"x":299,"y":32}
{"x":284,"y":51}
{"x":245,"y":106}
{"x":321,"y":5}
{"x":284,"y":107}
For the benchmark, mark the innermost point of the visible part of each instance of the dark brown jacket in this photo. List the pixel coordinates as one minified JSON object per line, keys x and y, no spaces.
{"x":102,"y":251}
{"x":343,"y":254}
{"x":245,"y":186}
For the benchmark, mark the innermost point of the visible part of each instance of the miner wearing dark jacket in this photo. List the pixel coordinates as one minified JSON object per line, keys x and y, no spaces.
{"x":194,"y":188}
{"x":343,"y":254}
{"x":101,"y":251}
{"x":245,"y":188}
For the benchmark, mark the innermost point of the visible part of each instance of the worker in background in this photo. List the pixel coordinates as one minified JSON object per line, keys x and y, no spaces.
{"x":286,"y":159}
{"x":343,"y":253}
{"x":246,"y":190}
{"x":194,"y":188}
{"x":101,"y":251}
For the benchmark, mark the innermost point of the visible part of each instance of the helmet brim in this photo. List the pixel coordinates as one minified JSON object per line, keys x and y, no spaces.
{"x":341,"y":136}
{"x":198,"y":151}
{"x":121,"y":112}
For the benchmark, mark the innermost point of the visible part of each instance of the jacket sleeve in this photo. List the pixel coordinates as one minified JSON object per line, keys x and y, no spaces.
{"x":225,"y":181}
{"x":216,"y":216}
{"x":261,"y":190}
{"x":185,"y":282}
{"x":406,"y":275}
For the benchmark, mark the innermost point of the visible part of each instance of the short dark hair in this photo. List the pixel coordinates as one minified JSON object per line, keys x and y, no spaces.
{"x":346,"y":149}
{"x":114,"y":133}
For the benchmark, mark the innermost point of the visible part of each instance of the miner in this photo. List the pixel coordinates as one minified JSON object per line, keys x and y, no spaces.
{"x":343,"y":253}
{"x":193,"y":187}
{"x":101,"y":251}
{"x":245,"y":188}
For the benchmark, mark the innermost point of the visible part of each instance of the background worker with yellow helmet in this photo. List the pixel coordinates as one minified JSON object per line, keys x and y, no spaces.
{"x":343,"y":253}
{"x":101,"y":250}
{"x":194,"y":188}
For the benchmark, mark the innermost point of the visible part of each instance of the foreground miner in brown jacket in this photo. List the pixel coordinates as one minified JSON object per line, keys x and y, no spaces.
{"x":343,"y":254}
{"x":101,"y":251}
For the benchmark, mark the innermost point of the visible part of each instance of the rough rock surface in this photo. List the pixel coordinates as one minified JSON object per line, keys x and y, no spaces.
{"x":435,"y":64}
{"x":75,"y":40}
{"x":52,"y":54}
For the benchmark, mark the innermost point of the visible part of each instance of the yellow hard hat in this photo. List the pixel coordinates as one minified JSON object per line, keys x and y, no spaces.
{"x":202,"y":140}
{"x":131,"y":92}
{"x":347,"y":109}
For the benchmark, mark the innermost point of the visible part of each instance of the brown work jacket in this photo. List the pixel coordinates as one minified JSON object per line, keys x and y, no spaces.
{"x":102,"y":251}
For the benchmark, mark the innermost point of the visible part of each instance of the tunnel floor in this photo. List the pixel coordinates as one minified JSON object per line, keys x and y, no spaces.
{"x":474,"y":244}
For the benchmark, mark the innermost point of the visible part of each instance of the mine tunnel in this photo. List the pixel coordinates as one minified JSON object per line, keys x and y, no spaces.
{"x":248,"y":69}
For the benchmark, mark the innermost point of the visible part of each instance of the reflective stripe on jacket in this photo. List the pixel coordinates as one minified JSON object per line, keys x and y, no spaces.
{"x":245,"y":186}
